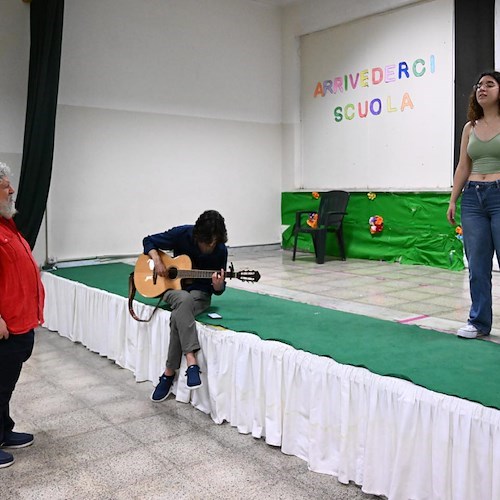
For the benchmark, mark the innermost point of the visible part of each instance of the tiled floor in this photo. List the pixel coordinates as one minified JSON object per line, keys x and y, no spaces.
{"x":98,"y":436}
{"x":426,"y":296}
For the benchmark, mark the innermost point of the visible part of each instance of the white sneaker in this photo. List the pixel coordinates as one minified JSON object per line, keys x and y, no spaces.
{"x":469,"y":331}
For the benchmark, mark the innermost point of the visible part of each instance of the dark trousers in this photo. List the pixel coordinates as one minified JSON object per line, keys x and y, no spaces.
{"x":14,"y":351}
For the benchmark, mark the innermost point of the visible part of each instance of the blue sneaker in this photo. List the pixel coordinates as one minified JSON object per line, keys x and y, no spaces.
{"x":6,"y":459}
{"x":193,"y":377}
{"x":17,"y":440}
{"x":162,"y":390}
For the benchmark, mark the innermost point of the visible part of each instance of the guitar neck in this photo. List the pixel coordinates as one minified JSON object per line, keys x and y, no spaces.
{"x":198,"y":273}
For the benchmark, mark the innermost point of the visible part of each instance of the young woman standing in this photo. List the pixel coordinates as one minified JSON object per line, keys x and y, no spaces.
{"x":477,"y":179}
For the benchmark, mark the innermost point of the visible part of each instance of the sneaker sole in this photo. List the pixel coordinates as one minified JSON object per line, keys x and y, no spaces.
{"x":7,"y":464}
{"x":162,"y":399}
{"x":193,"y":387}
{"x":16,"y":446}
{"x":466,"y":335}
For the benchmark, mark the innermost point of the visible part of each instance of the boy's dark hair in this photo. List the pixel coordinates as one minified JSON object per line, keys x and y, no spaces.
{"x":209,"y":226}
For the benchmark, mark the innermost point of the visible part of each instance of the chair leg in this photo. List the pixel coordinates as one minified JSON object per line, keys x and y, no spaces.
{"x":295,"y":244}
{"x":340,"y":238}
{"x":320,"y":246}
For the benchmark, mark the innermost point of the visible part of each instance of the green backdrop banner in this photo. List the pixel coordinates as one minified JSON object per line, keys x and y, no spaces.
{"x":415,"y":228}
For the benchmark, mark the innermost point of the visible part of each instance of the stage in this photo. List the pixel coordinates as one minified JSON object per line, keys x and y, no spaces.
{"x":392,"y":436}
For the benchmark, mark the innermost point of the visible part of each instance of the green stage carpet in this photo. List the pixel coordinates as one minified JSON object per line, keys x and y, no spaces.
{"x":440,"y":362}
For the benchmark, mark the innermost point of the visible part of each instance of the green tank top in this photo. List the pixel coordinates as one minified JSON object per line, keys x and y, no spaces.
{"x":485,"y":155}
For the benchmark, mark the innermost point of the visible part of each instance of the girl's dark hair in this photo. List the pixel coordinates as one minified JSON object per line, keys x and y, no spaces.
{"x":210,"y":226}
{"x":475,"y":111}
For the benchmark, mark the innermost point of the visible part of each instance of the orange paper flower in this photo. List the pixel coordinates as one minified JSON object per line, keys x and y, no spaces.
{"x":313,"y":220}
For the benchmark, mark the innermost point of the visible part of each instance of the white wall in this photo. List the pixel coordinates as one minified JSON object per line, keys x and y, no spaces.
{"x":14,"y":67}
{"x":166,"y":108}
{"x":365,"y":123}
{"x":14,"y":61}
{"x":300,"y":19}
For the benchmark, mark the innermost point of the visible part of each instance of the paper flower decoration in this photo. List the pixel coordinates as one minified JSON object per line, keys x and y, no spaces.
{"x":371,"y":196}
{"x":312,"y":221}
{"x":315,"y":195}
{"x":459,"y":233}
{"x":376,"y":224}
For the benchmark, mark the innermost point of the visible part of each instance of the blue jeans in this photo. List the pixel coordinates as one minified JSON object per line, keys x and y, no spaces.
{"x":481,"y":230}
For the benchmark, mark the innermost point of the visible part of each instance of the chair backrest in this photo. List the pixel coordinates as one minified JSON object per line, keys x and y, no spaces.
{"x":332,"y":201}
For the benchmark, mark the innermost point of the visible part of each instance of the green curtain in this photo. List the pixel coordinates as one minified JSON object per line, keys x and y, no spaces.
{"x":46,"y":23}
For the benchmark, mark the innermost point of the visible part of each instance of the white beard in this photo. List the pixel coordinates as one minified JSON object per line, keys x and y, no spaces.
{"x":8,"y":209}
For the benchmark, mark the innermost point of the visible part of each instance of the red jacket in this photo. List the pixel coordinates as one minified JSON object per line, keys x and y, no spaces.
{"x":21,"y":290}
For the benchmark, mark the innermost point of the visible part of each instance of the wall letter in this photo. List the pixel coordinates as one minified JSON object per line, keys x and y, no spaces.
{"x":362,"y":114}
{"x":318,"y":90}
{"x":337,"y":112}
{"x":415,"y":72}
{"x":389,"y":73}
{"x":346,"y":109}
{"x":364,"y":78}
{"x":406,"y":102}
{"x":354,"y":83}
{"x":327,"y":85}
{"x":375,"y":107}
{"x":403,"y":68}
{"x":338,"y":85}
{"x":389,"y":105}
{"x":377,"y":75}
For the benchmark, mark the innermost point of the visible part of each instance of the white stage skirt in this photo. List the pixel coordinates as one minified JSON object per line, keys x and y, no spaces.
{"x":388,"y":435}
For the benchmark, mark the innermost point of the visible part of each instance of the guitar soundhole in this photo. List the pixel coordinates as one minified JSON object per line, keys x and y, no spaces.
{"x":172,"y":273}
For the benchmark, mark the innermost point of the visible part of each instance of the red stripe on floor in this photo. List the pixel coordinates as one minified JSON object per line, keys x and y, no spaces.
{"x":415,"y":318}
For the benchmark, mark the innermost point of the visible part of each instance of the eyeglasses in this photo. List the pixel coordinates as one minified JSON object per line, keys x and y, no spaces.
{"x":486,"y":85}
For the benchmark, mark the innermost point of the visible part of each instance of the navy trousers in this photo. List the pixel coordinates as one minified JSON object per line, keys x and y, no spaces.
{"x":14,"y":351}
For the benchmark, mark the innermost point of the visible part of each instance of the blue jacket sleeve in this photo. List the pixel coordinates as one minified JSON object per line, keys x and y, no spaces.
{"x":163,"y":241}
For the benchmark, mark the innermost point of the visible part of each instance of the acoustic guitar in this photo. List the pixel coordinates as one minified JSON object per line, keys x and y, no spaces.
{"x":149,"y":284}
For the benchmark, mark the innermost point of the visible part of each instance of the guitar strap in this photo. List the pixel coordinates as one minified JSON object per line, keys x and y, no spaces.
{"x":131,"y":294}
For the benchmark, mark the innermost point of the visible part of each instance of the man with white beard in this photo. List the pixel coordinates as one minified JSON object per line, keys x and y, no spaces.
{"x":21,"y":310}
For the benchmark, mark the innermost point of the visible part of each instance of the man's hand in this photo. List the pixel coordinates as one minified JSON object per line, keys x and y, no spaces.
{"x":218,"y":280}
{"x":4,"y":333}
{"x":160,"y":268}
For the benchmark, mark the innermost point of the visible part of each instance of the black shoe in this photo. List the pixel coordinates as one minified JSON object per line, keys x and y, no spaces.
{"x":162,"y":390}
{"x":193,"y":377}
{"x":17,"y":440}
{"x":6,"y":459}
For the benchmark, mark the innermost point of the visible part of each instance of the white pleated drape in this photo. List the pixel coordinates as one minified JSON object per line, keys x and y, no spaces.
{"x":389,"y":436}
